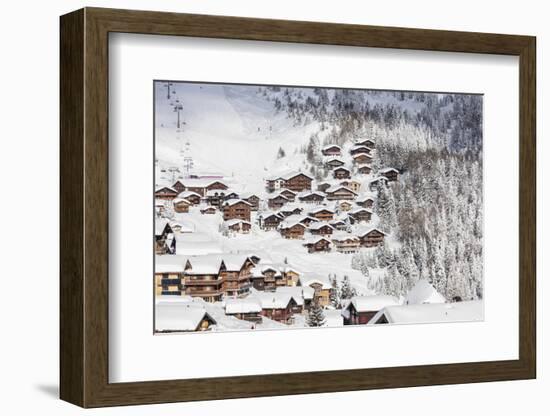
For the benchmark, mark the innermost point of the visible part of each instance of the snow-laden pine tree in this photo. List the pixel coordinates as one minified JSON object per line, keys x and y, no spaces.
{"x":315,"y":316}
{"x":335,"y":295}
{"x":346,"y":290}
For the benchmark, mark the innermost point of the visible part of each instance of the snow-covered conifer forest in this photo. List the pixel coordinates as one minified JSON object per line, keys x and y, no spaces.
{"x":284,"y":207}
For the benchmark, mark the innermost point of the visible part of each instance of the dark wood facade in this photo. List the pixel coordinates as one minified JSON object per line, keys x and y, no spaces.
{"x":271,"y":221}
{"x":236,"y":210}
{"x":361,"y":215}
{"x":312,"y":198}
{"x":342,"y":193}
{"x":355,"y":150}
{"x":299,"y":183}
{"x":362,"y":158}
{"x":323,"y":214}
{"x":391,"y":174}
{"x":295,"y":231}
{"x":331,"y":150}
{"x":321,"y":245}
{"x":372,"y":238}
{"x":364,"y":169}
{"x":166,"y":193}
{"x":277,"y":201}
{"x":341,"y":173}
{"x":358,"y":318}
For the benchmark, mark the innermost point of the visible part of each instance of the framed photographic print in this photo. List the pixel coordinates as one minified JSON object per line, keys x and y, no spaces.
{"x":260,"y":207}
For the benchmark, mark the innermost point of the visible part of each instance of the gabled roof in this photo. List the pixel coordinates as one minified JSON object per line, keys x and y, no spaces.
{"x":246,"y":305}
{"x":278,"y":195}
{"x":336,"y":188}
{"x":359,"y":146}
{"x":320,"y":224}
{"x":330,"y":146}
{"x":236,"y":221}
{"x":315,"y":239}
{"x":467,"y":311}
{"x":186,"y":194}
{"x":307,"y":279}
{"x":358,"y":210}
{"x":321,"y":209}
{"x":341,"y":168}
{"x":179,"y":317}
{"x":306,"y":194}
{"x":343,"y":236}
{"x":273,"y":300}
{"x":369,"y":230}
{"x":386,"y":170}
{"x":357,"y":155}
{"x":231,"y":202}
{"x":198,"y":182}
{"x":169,"y":263}
{"x":362,"y":198}
{"x":166,"y":187}
{"x":372,"y":303}
{"x":293,"y":175}
{"x":181,"y":200}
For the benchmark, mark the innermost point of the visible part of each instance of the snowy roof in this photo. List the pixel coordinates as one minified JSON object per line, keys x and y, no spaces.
{"x":160,"y":225}
{"x":186,"y":194}
{"x":278,"y":195}
{"x":334,"y":159}
{"x":246,"y":305}
{"x":273,"y":300}
{"x":360,"y":141}
{"x":236,"y":221}
{"x":333,"y":318}
{"x":297,"y":293}
{"x":386,"y":170}
{"x":372,"y":303}
{"x":247,"y":195}
{"x":319,"y":224}
{"x":307,"y":279}
{"x":341,"y":168}
{"x":379,"y":178}
{"x":321,"y":209}
{"x":315,"y":240}
{"x":294,"y":174}
{"x":165,"y":187}
{"x":330,"y":146}
{"x":196,"y":248}
{"x":294,"y":219}
{"x":423,"y":292}
{"x":337,"y":188}
{"x":363,"y":198}
{"x":287,"y":191}
{"x":169,"y":263}
{"x":364,"y":231}
{"x":198,"y":183}
{"x":359,"y":146}
{"x":311,"y":193}
{"x":211,"y":263}
{"x":432,"y":313}
{"x":343,"y":236}
{"x":358,"y":210}
{"x":179,"y":317}
{"x":180,"y":200}
{"x":231,"y":202}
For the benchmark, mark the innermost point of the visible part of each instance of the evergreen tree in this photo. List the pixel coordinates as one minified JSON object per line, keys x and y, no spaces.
{"x":315,"y":316}
{"x":334,"y":295}
{"x":346,"y":290}
{"x":281,"y":153}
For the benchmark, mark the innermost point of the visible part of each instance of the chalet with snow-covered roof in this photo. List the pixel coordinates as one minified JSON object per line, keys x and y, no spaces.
{"x":339,"y":225}
{"x":236,"y":273}
{"x":352,"y":184}
{"x":175,"y":317}
{"x":236,"y":209}
{"x":364,"y":170}
{"x":391,"y":174}
{"x":345,"y":242}
{"x":321,"y":287}
{"x":274,"y":183}
{"x":252,"y":199}
{"x":298,"y":182}
{"x":168,"y":275}
{"x":238,"y":226}
{"x":361,"y":309}
{"x":331,"y":150}
{"x":248,"y":309}
{"x":468,"y":311}
{"x":266,"y":277}
{"x":277,"y":306}
{"x":277,"y":201}
{"x":323,"y":186}
{"x":166,"y":193}
{"x":381,"y":180}
{"x":321,"y":228}
{"x":311,"y":197}
{"x":322,"y":214}
{"x":334,"y":162}
{"x":359,"y":148}
{"x":317,"y":244}
{"x":201,"y":186}
{"x":286,"y":211}
{"x":209,"y":210}
{"x":162,"y":231}
{"x":288,"y":194}
{"x":181,"y":205}
{"x":372,"y":237}
{"x":365,"y":201}
{"x":292,"y":230}
{"x":359,"y":215}
{"x":339,"y":192}
{"x":362,"y":158}
{"x":341,"y":173}
{"x":345,"y":206}
{"x":178,"y":186}
{"x":365,"y":142}
{"x":270,"y":221}
{"x":193,"y":197}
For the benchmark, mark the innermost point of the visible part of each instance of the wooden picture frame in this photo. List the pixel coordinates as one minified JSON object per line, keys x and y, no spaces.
{"x":84,"y":207}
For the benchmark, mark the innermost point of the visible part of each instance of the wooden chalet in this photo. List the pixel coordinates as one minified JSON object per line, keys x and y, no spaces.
{"x":321,"y":287}
{"x":267,"y":278}
{"x":322,"y":214}
{"x":354,"y":185}
{"x":331,"y":150}
{"x":178,"y":186}
{"x":373,"y":185}
{"x":202,"y":278}
{"x":298,"y":182}
{"x":200,"y":186}
{"x":365,"y":142}
{"x":344,"y":206}
{"x":334,"y":162}
{"x":236,"y":274}
{"x":275,"y":183}
{"x":162,"y":231}
{"x":253,"y":200}
{"x":292,"y":230}
{"x":339,"y":225}
{"x":318,"y":245}
{"x":175,"y":317}
{"x":311,"y":197}
{"x":181,"y":205}
{"x":277,"y":201}
{"x":321,"y":228}
{"x":288,"y":211}
{"x":339,"y":192}
{"x":166,"y":193}
{"x":341,"y":173}
{"x":288,"y":194}
{"x":236,"y":209}
{"x":365,"y":201}
{"x":248,"y":309}
{"x":372,"y":237}
{"x":364,"y":170}
{"x":168,"y":275}
{"x":391,"y":174}
{"x":358,"y":148}
{"x":209,"y":210}
{"x":192,"y":197}
{"x":278,"y":306}
{"x":346,"y":243}
{"x":361,"y":309}
{"x":360,"y":215}
{"x":270,"y":221}
{"x":238,"y":226}
{"x":362,"y":158}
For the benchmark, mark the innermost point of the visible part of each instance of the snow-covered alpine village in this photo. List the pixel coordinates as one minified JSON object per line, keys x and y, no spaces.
{"x":282,"y":207}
